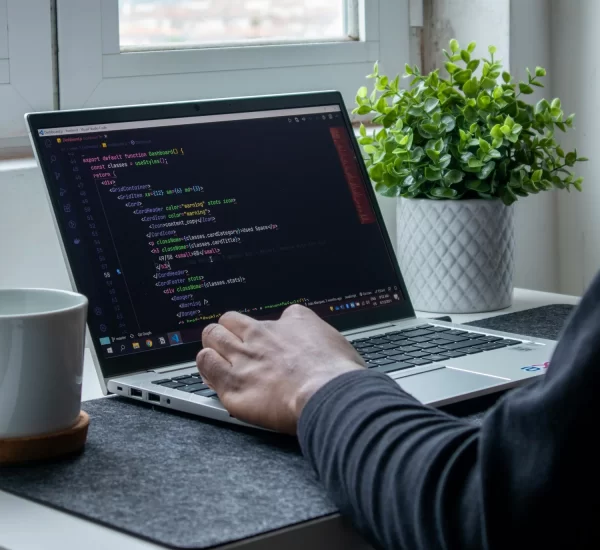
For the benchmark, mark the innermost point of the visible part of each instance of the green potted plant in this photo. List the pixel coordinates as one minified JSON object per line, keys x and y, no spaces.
{"x":458,"y":152}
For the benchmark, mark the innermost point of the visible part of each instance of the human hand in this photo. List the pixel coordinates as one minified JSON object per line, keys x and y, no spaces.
{"x":266,"y":371}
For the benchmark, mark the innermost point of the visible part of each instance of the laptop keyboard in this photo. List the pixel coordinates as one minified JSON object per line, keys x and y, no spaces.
{"x":189,"y":383}
{"x":393,"y":351}
{"x":422,"y":345}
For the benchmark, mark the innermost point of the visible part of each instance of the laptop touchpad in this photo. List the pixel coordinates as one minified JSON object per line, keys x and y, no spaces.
{"x":439,"y":386}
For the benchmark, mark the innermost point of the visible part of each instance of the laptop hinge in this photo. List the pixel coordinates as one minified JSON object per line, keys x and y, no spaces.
{"x":371,"y":328}
{"x":172,"y":368}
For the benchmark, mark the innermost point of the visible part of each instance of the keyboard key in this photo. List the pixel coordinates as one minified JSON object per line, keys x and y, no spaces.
{"x":418,"y":362}
{"x":172,"y":385}
{"x":435,"y":351}
{"x":373,"y":356}
{"x":379,"y":340}
{"x":489,"y":347}
{"x":160,"y":382}
{"x":420,"y":339}
{"x":437,"y":358}
{"x":471,"y":351}
{"x":457,"y":345}
{"x":188,"y":380}
{"x":444,"y":338}
{"x":371,"y":349}
{"x":417,"y":354}
{"x":359,"y":340}
{"x":207,"y":392}
{"x":193,"y":388}
{"x":181,"y":377}
{"x":415,"y":333}
{"x":491,"y":339}
{"x":388,"y":346}
{"x":398,"y":356}
{"x":361,"y":345}
{"x":384,"y":361}
{"x":453,"y":354}
{"x":424,"y":345}
{"x":458,"y":332}
{"x":439,"y":329}
{"x":395,"y":337}
{"x":512,"y":342}
{"x":393,"y":367}
{"x":406,"y":349}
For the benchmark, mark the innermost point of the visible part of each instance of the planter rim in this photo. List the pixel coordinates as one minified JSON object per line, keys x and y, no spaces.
{"x":458,"y":201}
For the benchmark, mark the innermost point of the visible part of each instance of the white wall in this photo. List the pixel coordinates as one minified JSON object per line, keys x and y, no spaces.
{"x":30,"y":255}
{"x":536,"y":216}
{"x":576,"y":69}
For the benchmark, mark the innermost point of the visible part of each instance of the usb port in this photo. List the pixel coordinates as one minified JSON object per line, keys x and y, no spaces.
{"x":154,"y":397}
{"x":135,"y":393}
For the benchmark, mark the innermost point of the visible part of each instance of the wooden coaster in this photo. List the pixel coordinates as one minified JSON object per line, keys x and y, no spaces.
{"x":18,"y":450}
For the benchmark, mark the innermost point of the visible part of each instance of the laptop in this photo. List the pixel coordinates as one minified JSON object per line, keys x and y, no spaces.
{"x":169,"y":215}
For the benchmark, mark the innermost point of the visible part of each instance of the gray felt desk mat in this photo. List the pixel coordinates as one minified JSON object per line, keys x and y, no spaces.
{"x":189,"y":483}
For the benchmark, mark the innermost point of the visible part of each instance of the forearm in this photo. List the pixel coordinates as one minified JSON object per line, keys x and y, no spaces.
{"x":405,"y":473}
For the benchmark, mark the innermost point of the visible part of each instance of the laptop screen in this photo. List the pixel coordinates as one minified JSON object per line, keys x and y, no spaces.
{"x":169,"y":223}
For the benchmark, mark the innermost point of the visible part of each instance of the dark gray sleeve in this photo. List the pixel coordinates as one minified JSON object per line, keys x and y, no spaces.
{"x":412,"y":477}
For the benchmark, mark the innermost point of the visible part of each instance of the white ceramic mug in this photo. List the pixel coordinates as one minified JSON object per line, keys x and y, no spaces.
{"x":42,"y":341}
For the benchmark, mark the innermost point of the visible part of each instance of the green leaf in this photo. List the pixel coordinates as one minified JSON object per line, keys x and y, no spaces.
{"x":462,"y":76}
{"x":483,"y":101}
{"x":555,"y":104}
{"x":561,"y":126}
{"x":473,"y":64}
{"x":470,"y":87}
{"x":465,"y":56}
{"x":577,"y":184}
{"x":376,"y":172}
{"x":471,"y":47}
{"x":484,"y":145}
{"x":475,"y":163}
{"x":431,"y":103}
{"x":498,"y":92}
{"x":486,"y":170}
{"x":454,"y":45}
{"x":506,"y":77}
{"x":525,"y":88}
{"x":408,"y":69}
{"x":496,"y":132}
{"x":445,"y":161}
{"x":570,"y":159}
{"x":582,"y":159}
{"x":473,"y":184}
{"x":453,"y":176}
{"x":449,"y":122}
{"x":363,"y":110}
{"x":388,"y":191}
{"x":536,"y":176}
{"x":540,"y":71}
{"x":492,"y":49}
{"x":416,"y":111}
{"x":369,"y":149}
{"x":470,"y":114}
{"x":432,"y":173}
{"x":451,"y":67}
{"x":569,"y":120}
{"x":362,"y":91}
{"x":443,"y":192}
{"x":488,"y":83}
{"x":494,"y":154}
{"x":362,"y":130}
{"x":560,"y":152}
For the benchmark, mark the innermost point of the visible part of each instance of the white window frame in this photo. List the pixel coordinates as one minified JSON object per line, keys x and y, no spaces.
{"x":26,"y":67}
{"x":94,"y":72}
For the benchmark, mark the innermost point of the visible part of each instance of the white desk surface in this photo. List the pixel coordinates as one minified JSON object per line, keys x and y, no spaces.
{"x":25,"y":525}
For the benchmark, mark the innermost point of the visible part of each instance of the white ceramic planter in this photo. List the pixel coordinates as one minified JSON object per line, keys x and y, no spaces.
{"x":456,"y":256}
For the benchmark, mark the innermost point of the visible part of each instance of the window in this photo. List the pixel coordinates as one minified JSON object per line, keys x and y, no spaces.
{"x":160,"y":24}
{"x":26,"y":81}
{"x":84,"y":53}
{"x":115,"y":52}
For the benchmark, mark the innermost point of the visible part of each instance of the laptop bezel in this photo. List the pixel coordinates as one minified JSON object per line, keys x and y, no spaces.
{"x":174,"y":355}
